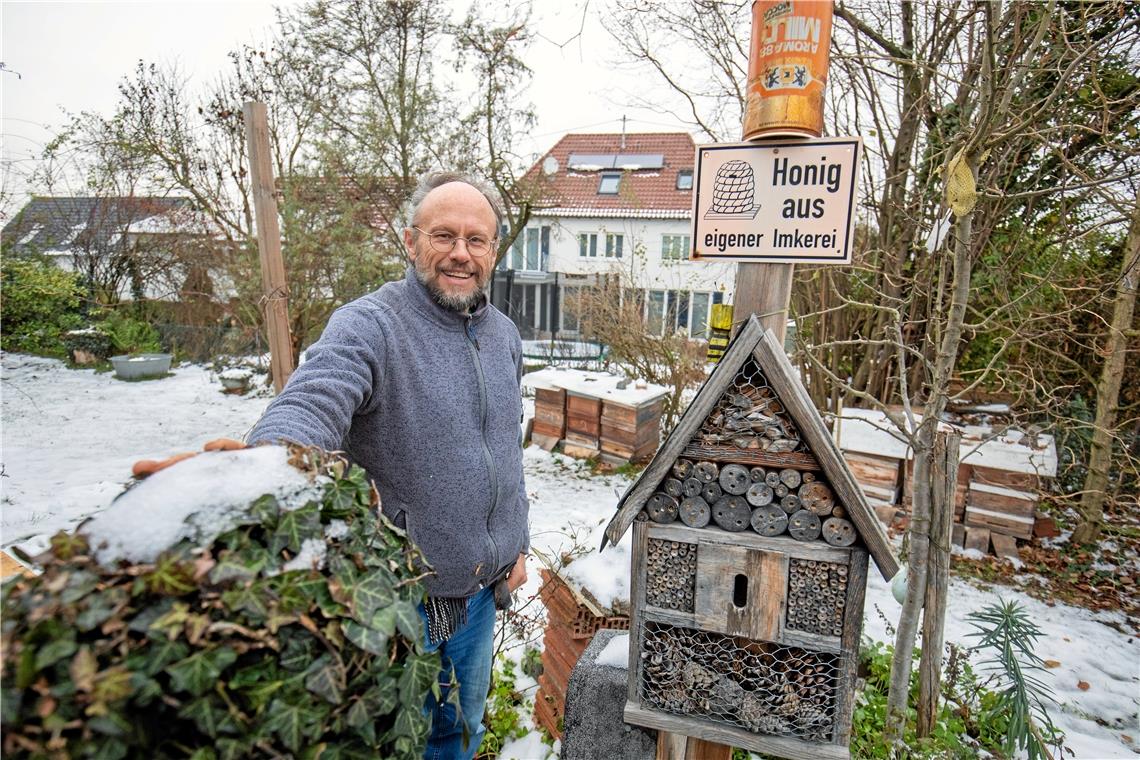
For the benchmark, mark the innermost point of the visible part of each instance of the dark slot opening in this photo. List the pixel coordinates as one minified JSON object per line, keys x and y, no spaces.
{"x":740,"y":591}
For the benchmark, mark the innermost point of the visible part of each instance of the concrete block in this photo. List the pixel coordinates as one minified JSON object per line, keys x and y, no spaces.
{"x":593,"y":727}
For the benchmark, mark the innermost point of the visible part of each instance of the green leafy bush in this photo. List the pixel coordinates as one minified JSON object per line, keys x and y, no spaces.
{"x":39,"y":303}
{"x":502,"y":717}
{"x":129,"y":335}
{"x":222,"y":650}
{"x":963,"y":725}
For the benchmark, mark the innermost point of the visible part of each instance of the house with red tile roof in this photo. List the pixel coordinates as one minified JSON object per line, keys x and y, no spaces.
{"x":610,"y":205}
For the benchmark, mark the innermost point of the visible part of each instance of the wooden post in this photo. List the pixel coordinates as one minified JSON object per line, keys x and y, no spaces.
{"x":943,"y":484}
{"x":763,"y":290}
{"x":275,"y":294}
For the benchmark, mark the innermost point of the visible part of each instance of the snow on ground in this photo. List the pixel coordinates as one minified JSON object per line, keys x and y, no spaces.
{"x":70,"y":437}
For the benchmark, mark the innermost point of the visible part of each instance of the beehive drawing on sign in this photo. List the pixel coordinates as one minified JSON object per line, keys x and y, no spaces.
{"x":750,"y":552}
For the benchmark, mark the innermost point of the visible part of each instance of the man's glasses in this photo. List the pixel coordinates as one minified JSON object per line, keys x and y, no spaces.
{"x":444,"y":242}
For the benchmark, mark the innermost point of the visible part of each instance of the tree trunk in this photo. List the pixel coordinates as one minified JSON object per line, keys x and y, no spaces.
{"x":943,"y":484}
{"x":919,"y":531}
{"x":1108,"y":390}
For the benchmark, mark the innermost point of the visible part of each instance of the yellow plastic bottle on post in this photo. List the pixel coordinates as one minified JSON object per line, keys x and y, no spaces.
{"x":720,"y":331}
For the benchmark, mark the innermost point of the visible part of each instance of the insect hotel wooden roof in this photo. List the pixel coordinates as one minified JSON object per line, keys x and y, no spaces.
{"x":756,"y":342}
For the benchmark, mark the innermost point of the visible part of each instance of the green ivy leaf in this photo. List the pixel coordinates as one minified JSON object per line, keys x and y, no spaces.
{"x":294,"y":527}
{"x":54,"y":651}
{"x":162,"y":652}
{"x":198,"y":672}
{"x":371,"y":592}
{"x":79,"y":585}
{"x":408,"y":620}
{"x":340,"y":498}
{"x":298,"y":650}
{"x":384,"y":621}
{"x":325,"y":677}
{"x":251,"y":598}
{"x":110,"y":748}
{"x":368,"y":639}
{"x":405,"y":724}
{"x":264,"y":510}
{"x":385,"y":696}
{"x":210,"y":719}
{"x":288,"y":722}
{"x":420,"y":672}
{"x":112,"y":685}
{"x":232,"y":749}
{"x":203,"y":753}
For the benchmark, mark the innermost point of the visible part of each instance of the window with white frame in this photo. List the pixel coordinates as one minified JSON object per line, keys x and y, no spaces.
{"x":608,"y":184}
{"x":685,"y":179}
{"x":699,"y":322}
{"x":674,"y":247}
{"x":612,"y":245}
{"x":529,"y":251}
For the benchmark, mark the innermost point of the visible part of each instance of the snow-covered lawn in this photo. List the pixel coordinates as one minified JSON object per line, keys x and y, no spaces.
{"x":70,"y":437}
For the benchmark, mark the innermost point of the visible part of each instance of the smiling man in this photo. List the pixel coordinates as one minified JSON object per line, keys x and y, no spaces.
{"x":418,"y":382}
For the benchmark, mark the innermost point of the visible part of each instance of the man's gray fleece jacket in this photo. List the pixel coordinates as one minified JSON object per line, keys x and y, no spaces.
{"x":427,"y":400}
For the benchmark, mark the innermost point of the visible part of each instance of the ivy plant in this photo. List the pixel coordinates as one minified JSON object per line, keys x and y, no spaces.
{"x":218,"y":651}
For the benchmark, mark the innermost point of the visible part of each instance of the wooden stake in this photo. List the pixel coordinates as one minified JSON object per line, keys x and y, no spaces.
{"x":275,"y":294}
{"x":943,"y":481}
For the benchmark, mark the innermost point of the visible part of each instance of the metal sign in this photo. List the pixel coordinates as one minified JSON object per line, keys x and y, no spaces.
{"x":783,"y":202}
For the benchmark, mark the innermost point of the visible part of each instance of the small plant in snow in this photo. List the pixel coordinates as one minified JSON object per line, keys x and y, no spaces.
{"x":1005,"y":630}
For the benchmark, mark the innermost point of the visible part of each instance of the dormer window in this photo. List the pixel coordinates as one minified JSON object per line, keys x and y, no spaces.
{"x":685,"y":179}
{"x":608,"y":185}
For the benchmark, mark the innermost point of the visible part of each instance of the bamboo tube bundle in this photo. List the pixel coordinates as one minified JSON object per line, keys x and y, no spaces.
{"x":817,"y":596}
{"x":671,"y":573}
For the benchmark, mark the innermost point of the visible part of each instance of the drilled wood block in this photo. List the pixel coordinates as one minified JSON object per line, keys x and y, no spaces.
{"x":720,"y":568}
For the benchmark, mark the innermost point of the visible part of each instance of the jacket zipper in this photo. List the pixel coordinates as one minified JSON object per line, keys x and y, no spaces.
{"x":473,"y":344}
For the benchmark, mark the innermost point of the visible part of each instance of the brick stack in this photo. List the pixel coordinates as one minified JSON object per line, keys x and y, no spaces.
{"x":571,"y":622}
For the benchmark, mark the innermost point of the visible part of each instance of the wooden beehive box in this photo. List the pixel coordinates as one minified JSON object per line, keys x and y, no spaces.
{"x":750,"y":550}
{"x":630,"y":432}
{"x":549,"y":417}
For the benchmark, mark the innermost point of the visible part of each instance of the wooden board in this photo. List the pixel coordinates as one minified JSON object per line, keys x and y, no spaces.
{"x":735,"y":737}
{"x":1002,"y":499}
{"x":1011,"y":525}
{"x":577,"y":450}
{"x":958,"y":534}
{"x":1021,"y":480}
{"x":1005,"y":546}
{"x":873,"y":470}
{"x":726,"y":454}
{"x":761,"y":575}
{"x":978,"y":538}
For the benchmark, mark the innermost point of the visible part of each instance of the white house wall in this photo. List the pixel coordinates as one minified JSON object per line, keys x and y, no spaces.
{"x":641,"y":263}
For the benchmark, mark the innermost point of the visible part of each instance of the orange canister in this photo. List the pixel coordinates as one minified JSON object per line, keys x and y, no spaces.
{"x":787,"y":67}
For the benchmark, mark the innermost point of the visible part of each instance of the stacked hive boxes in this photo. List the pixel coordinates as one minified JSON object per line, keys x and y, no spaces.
{"x":1000,"y":477}
{"x":595,"y":414}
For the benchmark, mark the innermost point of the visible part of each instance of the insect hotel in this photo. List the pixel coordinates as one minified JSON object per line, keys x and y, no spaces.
{"x":750,"y":548}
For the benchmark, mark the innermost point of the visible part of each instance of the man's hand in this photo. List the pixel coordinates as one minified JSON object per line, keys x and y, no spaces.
{"x":145,"y":467}
{"x":517,"y":575}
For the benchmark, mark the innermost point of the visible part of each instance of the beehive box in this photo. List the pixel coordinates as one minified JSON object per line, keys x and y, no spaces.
{"x":750,"y":554}
{"x":630,"y":432}
{"x":549,"y":417}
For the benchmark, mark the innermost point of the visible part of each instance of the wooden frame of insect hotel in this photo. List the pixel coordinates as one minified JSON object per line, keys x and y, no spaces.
{"x":750,"y":548}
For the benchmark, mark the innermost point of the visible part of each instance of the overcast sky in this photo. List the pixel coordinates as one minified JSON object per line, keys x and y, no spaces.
{"x":69,"y":56}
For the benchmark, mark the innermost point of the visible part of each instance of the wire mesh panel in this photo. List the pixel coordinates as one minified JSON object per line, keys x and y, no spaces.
{"x":671,"y":574}
{"x":817,"y":596}
{"x":750,"y":416}
{"x":762,"y":687}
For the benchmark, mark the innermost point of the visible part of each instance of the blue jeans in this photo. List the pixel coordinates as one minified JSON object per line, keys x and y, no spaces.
{"x":469,"y":652}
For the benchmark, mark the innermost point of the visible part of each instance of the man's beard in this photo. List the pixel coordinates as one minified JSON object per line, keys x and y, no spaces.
{"x":454,"y":301}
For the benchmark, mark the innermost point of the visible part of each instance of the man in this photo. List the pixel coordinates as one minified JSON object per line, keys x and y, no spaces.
{"x":418,"y":382}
